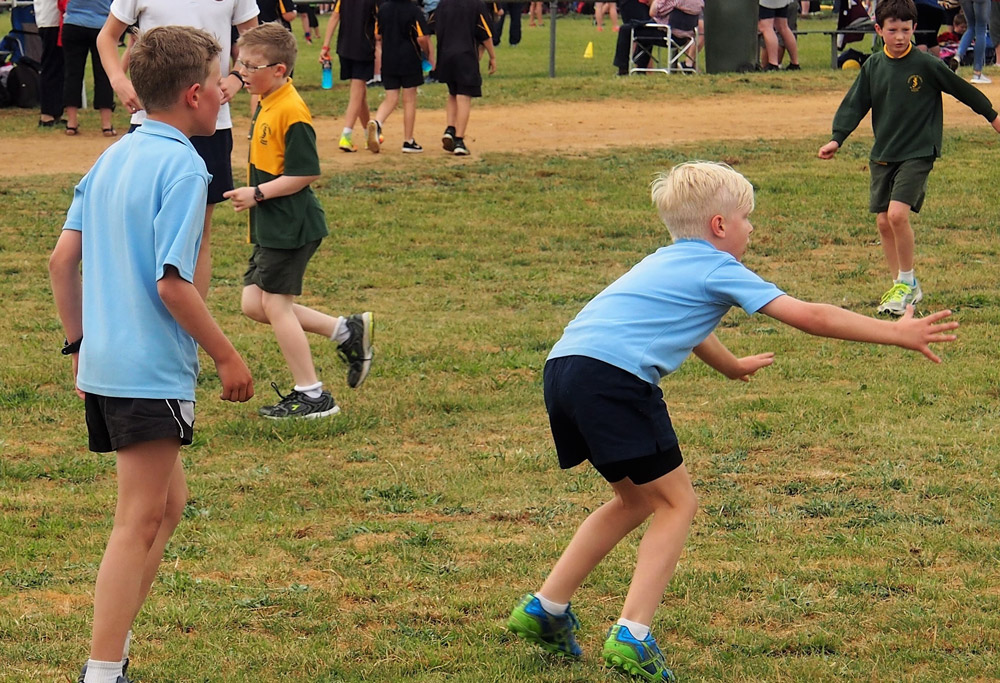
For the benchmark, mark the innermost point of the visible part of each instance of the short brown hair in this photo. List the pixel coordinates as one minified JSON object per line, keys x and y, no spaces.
{"x":901,"y":10}
{"x":273,"y":41}
{"x":167,"y":60}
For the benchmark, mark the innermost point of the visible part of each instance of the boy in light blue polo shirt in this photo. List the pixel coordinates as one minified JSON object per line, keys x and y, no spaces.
{"x":136,"y":318}
{"x":605,"y":405}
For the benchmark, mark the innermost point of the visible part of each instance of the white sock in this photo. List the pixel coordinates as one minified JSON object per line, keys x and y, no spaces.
{"x":640,"y":631}
{"x":348,"y":132}
{"x":102,"y":672}
{"x":312,"y":391}
{"x":906,"y":276}
{"x":128,"y":641}
{"x":553,"y":608}
{"x":341,"y":333}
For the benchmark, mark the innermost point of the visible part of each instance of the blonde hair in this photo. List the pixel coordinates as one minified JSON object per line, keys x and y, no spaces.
{"x":687,"y":196}
{"x":273,"y":42}
{"x":167,"y":60}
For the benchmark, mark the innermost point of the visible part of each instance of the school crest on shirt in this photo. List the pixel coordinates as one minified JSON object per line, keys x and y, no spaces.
{"x":915,"y":82}
{"x":265,"y":131}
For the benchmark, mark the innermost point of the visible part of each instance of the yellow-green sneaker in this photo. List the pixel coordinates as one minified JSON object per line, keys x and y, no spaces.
{"x":346,"y":145}
{"x":552,"y":632}
{"x":899,"y":296}
{"x":641,"y":658}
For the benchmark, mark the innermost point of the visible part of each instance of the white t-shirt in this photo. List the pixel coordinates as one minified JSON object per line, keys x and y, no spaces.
{"x":216,"y":17}
{"x":46,"y":13}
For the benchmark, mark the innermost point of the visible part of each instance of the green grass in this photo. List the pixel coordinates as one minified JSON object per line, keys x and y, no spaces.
{"x":849,"y":494}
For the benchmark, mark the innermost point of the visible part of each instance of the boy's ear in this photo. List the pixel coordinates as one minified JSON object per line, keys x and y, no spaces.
{"x":717,"y":225}
{"x":192,"y":95}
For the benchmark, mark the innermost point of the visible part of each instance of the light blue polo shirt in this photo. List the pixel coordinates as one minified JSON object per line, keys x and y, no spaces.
{"x":139,"y":209}
{"x":648,"y":320}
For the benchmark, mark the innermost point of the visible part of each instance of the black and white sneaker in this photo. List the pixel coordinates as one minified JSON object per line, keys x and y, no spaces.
{"x":448,"y":139}
{"x":358,"y":351}
{"x":460,"y":149}
{"x":411,"y":147}
{"x":298,"y":405}
{"x":121,"y":679}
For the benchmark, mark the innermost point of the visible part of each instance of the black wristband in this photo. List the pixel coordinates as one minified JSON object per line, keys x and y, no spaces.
{"x":69,"y":349}
{"x":236,"y":73}
{"x":258,"y":196}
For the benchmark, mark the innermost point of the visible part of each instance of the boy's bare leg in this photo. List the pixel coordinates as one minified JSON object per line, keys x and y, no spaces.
{"x":603,"y":529}
{"x":177,"y":495}
{"x":409,"y":112}
{"x":790,"y":43}
{"x":144,"y":474}
{"x":451,"y":110}
{"x":902,"y":235}
{"x":357,"y":104}
{"x":311,"y":320}
{"x":766,"y":28}
{"x":463,"y":106}
{"x":387,"y":107}
{"x":291,"y":337}
{"x":674,"y":504}
{"x":203,"y":266}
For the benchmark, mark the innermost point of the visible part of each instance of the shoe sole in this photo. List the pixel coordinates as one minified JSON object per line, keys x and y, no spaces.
{"x":311,"y":416}
{"x":448,"y":142}
{"x":372,"y":141}
{"x":522,"y":631}
{"x":615,"y":661}
{"x":367,"y":343}
{"x":347,"y":149}
{"x":461,"y":152}
{"x":407,"y":150}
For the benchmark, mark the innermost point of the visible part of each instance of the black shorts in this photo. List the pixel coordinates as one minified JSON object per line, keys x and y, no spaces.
{"x":352,"y":69}
{"x":279,"y":271}
{"x":470,"y":90}
{"x":217,"y":152}
{"x":929,"y":20}
{"x":768,"y":13}
{"x":115,"y":423}
{"x":612,"y":418}
{"x":395,"y":82}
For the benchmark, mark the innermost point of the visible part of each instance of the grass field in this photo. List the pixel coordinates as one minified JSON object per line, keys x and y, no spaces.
{"x":850,"y":495}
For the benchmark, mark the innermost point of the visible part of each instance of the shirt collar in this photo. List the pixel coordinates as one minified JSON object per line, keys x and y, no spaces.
{"x":275,"y":97}
{"x":886,"y":51}
{"x":163,"y":130}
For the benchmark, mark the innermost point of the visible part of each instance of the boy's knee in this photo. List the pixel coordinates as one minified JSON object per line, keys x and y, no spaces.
{"x":143,"y":527}
{"x":253,"y":310}
{"x":898,"y":216}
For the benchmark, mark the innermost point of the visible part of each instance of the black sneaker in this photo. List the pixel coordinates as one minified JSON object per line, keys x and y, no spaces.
{"x":412,"y":148}
{"x":460,"y":149}
{"x":358,"y":351}
{"x":298,"y":405}
{"x":448,"y":139}
{"x":121,"y":679}
{"x":793,"y":67}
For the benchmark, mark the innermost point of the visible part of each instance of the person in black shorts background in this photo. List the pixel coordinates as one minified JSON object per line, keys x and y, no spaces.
{"x":356,"y":49}
{"x":402,"y":31}
{"x":461,"y":27}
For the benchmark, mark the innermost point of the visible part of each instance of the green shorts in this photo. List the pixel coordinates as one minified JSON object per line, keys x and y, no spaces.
{"x":279,"y":271}
{"x":899,"y":181}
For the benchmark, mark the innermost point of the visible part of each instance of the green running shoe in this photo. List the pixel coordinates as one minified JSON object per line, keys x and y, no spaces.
{"x":641,"y":658}
{"x":553,"y":633}
{"x":899,"y":296}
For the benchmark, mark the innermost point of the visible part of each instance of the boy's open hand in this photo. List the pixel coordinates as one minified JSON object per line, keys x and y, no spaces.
{"x":241,"y":197}
{"x":237,"y":384}
{"x":748,"y":365}
{"x":829,"y":149}
{"x":919,"y":333}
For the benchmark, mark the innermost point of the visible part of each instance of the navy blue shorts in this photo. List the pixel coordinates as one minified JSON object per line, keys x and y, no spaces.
{"x":612,"y":418}
{"x":355,"y":70}
{"x":217,"y":152}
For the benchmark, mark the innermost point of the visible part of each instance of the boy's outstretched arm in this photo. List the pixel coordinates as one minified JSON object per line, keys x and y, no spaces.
{"x":715,"y":355}
{"x":282,"y":186}
{"x":188,"y":309}
{"x":824,"y":320}
{"x":67,"y":288}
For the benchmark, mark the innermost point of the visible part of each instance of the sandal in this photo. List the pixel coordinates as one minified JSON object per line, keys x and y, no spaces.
{"x":109,"y":132}
{"x":72,"y":130}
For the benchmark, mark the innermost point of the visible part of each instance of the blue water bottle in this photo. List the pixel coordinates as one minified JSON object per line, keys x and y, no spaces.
{"x":327,"y":74}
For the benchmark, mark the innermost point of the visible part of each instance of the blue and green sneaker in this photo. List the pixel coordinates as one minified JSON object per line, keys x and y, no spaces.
{"x":553,"y":633}
{"x":641,"y":658}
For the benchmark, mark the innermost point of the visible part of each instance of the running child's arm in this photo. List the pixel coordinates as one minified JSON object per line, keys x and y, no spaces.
{"x":284,"y":185}
{"x":107,"y":47}
{"x":331,"y":26}
{"x":488,"y":44}
{"x":824,"y":320}
{"x":425,"y":44}
{"x":714,"y":354}
{"x":855,"y":105}
{"x":187,"y":307}
{"x":67,"y":288}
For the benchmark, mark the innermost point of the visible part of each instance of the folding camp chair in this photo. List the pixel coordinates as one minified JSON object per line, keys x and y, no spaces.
{"x":678,"y":37}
